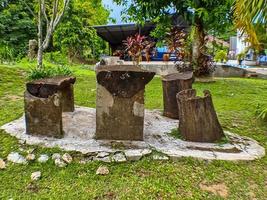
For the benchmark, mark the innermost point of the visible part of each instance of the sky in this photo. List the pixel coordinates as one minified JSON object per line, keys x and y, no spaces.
{"x":115,"y":10}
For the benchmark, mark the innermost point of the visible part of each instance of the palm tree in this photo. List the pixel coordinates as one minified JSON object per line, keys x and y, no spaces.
{"x":246,"y":14}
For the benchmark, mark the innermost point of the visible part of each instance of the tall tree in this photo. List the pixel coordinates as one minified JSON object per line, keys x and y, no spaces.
{"x":204,"y":15}
{"x":75,"y":36}
{"x":51,"y":21}
{"x":17,"y":25}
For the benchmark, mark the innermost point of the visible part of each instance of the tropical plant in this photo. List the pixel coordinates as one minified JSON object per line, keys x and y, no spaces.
{"x":176,"y":41}
{"x":204,"y":15}
{"x":134,"y":46}
{"x":220,"y":56}
{"x":246,"y":14}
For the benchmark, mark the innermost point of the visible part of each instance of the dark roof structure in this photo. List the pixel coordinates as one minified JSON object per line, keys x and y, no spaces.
{"x":116,"y":33}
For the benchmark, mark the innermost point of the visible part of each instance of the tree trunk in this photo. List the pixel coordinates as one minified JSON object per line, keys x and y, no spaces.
{"x":173,"y":84}
{"x":198,"y":120}
{"x":199,"y":50}
{"x":40,"y":38}
{"x":50,"y":26}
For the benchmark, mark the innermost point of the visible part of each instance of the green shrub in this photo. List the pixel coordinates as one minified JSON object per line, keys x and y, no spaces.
{"x":44,"y":72}
{"x":261,"y":112}
{"x":56,"y":57}
{"x":220,"y":56}
{"x":6,"y":54}
{"x":241,"y":55}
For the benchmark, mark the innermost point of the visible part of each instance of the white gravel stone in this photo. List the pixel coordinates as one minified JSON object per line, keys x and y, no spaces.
{"x":56,"y":156}
{"x":30,"y":151}
{"x":102,"y":154}
{"x":30,"y":157}
{"x":21,"y":149}
{"x":43,"y":158}
{"x":102,"y":170}
{"x":119,"y":157}
{"x":106,"y":159}
{"x":160,"y":157}
{"x":136,"y":154}
{"x":36,"y":176}
{"x":2,"y":164}
{"x":67,"y":158}
{"x":16,"y":158}
{"x":60,"y":163}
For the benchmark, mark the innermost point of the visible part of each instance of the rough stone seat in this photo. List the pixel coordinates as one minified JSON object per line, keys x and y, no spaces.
{"x":45,"y":99}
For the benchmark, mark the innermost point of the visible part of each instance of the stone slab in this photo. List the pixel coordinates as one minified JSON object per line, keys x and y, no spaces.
{"x":79,"y":128}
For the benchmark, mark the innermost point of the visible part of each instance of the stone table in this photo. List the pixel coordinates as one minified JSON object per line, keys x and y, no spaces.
{"x":120,"y":101}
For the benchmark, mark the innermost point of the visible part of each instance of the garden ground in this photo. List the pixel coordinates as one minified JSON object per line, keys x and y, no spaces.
{"x":236,"y":101}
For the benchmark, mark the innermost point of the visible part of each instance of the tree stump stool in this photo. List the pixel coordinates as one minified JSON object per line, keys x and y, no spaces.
{"x":120,"y":102}
{"x":173,"y":84}
{"x":44,"y":102}
{"x":198,"y":120}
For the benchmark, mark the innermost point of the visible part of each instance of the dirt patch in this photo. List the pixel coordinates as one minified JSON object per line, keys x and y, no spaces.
{"x":218,"y":189}
{"x":143,"y":173}
{"x":32,"y":187}
{"x":13,"y":97}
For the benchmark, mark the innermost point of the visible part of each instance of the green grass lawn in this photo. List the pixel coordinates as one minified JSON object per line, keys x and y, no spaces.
{"x":236,"y":102}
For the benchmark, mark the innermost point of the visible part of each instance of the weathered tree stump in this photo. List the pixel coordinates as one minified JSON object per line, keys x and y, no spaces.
{"x":46,"y":87}
{"x":120,"y":102}
{"x":173,"y":84}
{"x":43,"y":116}
{"x":198,"y":120}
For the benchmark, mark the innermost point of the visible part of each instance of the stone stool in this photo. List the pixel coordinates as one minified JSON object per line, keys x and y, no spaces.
{"x":120,"y":101}
{"x":173,"y":84}
{"x":45,"y":99}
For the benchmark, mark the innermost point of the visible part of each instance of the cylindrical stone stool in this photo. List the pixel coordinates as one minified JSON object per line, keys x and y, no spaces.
{"x":173,"y":84}
{"x":120,"y":102}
